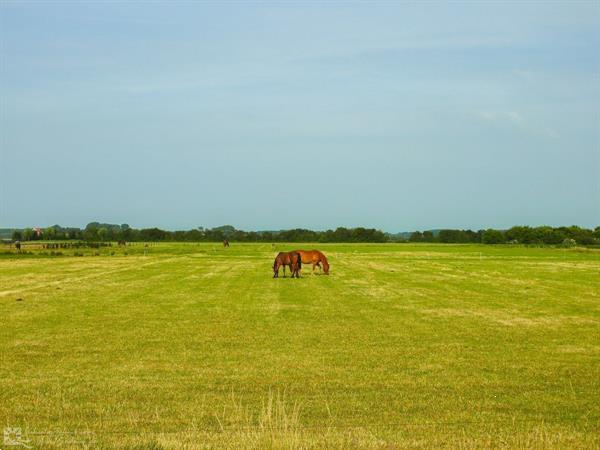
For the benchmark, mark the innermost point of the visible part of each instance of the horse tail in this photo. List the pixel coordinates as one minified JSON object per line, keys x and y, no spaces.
{"x":299,"y":260}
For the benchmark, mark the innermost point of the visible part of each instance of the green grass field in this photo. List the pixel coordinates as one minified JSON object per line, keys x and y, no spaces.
{"x":402,"y":346}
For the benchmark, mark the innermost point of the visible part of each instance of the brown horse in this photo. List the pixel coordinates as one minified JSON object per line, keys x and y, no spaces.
{"x":225,"y":243}
{"x":316,"y":258}
{"x":291,"y":259}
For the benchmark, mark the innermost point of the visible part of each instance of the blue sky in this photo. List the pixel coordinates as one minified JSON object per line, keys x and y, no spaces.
{"x":270,"y":115}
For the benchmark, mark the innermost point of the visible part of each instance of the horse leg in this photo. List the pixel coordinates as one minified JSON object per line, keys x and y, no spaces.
{"x":284,"y":271}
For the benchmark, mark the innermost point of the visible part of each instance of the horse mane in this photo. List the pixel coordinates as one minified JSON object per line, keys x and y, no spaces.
{"x":323,"y":256}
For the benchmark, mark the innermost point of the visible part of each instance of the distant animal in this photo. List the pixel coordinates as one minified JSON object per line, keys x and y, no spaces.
{"x":291,"y":259}
{"x":122,"y":243}
{"x":316,"y":258}
{"x":18,"y":246}
{"x":225,"y":243}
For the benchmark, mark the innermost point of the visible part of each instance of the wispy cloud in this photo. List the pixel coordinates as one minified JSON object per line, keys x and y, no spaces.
{"x":504,"y":116}
{"x":517,"y":120}
{"x":523,"y":74}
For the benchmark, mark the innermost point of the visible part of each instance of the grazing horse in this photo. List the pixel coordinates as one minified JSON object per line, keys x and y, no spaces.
{"x":225,"y":243}
{"x":122,"y":243}
{"x":291,"y":259}
{"x":18,"y":246}
{"x":316,"y":258}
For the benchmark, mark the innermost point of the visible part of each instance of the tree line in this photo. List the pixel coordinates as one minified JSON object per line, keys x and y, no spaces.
{"x":100,"y":232}
{"x":516,"y":235}
{"x":109,"y":232}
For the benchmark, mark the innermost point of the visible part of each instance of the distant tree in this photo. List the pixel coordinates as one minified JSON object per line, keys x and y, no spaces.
{"x":326,"y":236}
{"x":450,"y":236}
{"x":446,"y":236}
{"x":72,"y":233}
{"x":127,"y":234}
{"x":17,"y":235}
{"x":549,"y":235}
{"x":50,"y":234}
{"x":226,"y":230}
{"x":102,"y":233}
{"x":520,"y":234}
{"x":152,"y":234}
{"x":479,"y":235}
{"x":90,"y":233}
{"x":342,"y":234}
{"x":428,"y":236}
{"x":194,"y":235}
{"x":493,"y":237}
{"x":472,"y":236}
{"x":417,"y":236}
{"x":28,"y":234}
{"x":581,"y":235}
{"x":267,"y":236}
